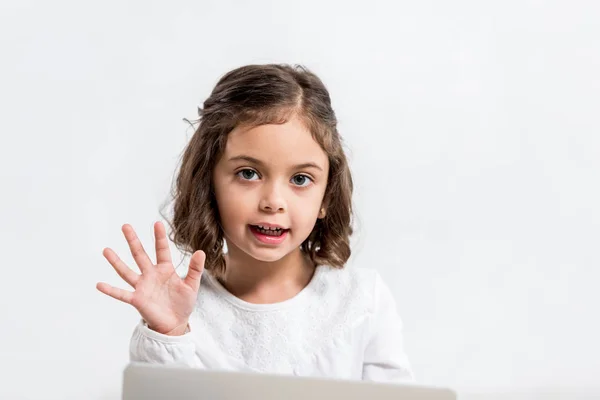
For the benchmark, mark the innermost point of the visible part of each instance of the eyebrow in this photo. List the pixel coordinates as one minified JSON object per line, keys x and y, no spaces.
{"x":262,"y":164}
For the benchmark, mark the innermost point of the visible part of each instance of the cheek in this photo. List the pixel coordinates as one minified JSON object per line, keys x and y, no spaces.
{"x":304,"y":211}
{"x":233,"y":207}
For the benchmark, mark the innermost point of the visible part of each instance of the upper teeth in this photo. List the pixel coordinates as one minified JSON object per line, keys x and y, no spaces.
{"x":267,"y":228}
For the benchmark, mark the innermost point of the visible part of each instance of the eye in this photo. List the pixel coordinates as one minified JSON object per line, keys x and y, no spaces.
{"x":300,"y":179}
{"x":247,"y":174}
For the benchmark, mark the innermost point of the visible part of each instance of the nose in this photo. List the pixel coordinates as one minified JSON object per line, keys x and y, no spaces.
{"x":272,"y":199}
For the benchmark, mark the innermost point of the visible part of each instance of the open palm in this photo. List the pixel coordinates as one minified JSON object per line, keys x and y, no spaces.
{"x":163,"y":299}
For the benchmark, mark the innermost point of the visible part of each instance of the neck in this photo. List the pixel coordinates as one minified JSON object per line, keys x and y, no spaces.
{"x":266,"y":282}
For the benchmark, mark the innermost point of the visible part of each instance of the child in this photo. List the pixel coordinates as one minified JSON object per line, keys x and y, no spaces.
{"x":266,"y":175}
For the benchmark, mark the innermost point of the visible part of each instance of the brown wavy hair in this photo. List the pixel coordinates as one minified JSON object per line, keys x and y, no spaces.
{"x":254,"y":95}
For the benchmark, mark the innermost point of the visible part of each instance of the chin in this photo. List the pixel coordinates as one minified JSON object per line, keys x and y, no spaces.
{"x":267,"y":255}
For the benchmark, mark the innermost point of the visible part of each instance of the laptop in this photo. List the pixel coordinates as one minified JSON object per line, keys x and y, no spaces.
{"x":150,"y":381}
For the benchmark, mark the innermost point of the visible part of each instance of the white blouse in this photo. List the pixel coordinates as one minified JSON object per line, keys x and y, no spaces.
{"x":343,"y":325}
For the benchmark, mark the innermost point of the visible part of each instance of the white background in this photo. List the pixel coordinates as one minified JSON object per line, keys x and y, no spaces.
{"x":473,"y":134}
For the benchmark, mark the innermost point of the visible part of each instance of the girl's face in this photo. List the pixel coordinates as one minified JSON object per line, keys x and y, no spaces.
{"x":270,"y":175}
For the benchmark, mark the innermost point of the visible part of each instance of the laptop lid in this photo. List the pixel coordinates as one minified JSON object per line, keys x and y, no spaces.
{"x":150,"y":381}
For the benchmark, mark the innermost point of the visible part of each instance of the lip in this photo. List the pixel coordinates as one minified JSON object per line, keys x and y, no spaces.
{"x":268,"y":225}
{"x":268,"y":239}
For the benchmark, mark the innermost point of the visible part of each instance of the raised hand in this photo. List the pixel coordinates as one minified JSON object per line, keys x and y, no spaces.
{"x":163,"y":299}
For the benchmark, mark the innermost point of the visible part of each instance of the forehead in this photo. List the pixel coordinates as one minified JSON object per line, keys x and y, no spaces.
{"x":276,"y":144}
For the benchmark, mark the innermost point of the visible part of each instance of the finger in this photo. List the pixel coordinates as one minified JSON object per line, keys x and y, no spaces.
{"x":194,"y":274}
{"x":122,"y":269}
{"x":123,"y":295}
{"x":163,"y":253}
{"x":137,"y":250}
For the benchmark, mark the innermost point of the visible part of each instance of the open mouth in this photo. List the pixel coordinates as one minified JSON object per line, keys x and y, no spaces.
{"x":275,"y":232}
{"x":267,"y":235}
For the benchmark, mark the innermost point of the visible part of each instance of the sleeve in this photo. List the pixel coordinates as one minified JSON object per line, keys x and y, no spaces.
{"x":148,"y":346}
{"x":384,"y":358}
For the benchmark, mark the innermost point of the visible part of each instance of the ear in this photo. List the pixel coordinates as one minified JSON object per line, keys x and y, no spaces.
{"x":324,"y":205}
{"x":322,"y":213}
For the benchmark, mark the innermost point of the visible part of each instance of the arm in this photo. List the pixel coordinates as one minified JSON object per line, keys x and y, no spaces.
{"x":161,"y":296}
{"x":384,"y":359}
{"x":149,"y":346}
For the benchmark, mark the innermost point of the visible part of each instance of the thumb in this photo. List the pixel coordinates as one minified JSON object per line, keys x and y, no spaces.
{"x":194,"y":274}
